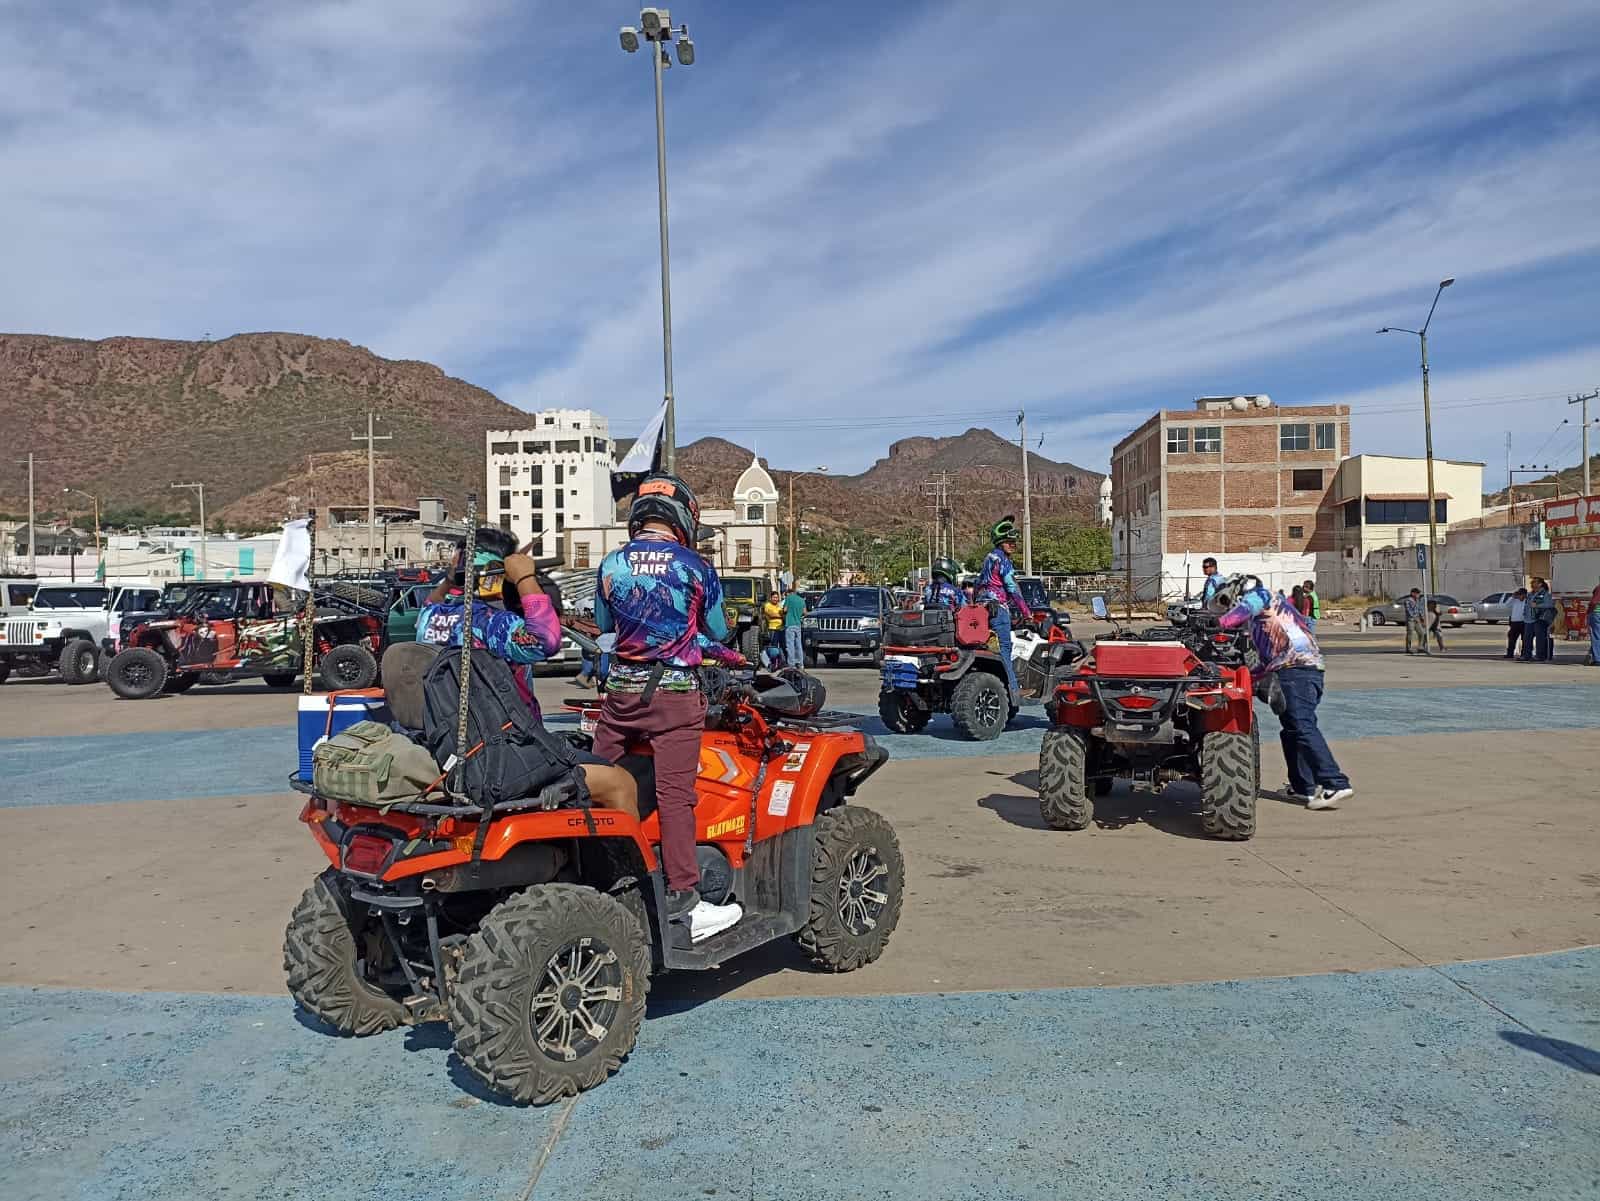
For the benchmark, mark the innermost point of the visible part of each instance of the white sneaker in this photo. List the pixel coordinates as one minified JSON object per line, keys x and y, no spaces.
{"x":1329,"y":798}
{"x":1288,"y":791}
{"x":706,"y":919}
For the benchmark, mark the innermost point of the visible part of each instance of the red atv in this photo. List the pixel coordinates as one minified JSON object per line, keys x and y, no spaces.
{"x":536,"y":938}
{"x":1170,"y":703}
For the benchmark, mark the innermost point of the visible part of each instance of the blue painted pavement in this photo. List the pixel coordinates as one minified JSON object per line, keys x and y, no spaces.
{"x":177,"y":765}
{"x":1472,"y":1082}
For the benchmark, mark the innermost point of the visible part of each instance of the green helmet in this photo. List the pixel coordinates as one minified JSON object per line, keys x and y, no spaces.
{"x":946,"y":569}
{"x":1004,"y":530}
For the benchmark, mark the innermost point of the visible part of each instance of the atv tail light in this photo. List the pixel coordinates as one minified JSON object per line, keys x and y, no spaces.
{"x":1137,"y":702}
{"x":366,"y":854}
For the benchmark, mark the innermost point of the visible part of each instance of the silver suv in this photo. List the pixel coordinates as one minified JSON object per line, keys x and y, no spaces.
{"x":63,"y":628}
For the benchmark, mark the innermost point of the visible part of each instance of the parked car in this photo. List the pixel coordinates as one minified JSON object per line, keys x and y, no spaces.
{"x":1039,"y":599}
{"x":741,"y":602}
{"x":846,"y":621}
{"x":1494,"y":608}
{"x":1452,"y":613}
{"x":63,"y":629}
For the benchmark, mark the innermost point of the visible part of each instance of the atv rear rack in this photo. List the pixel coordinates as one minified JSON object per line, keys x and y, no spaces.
{"x":550,"y":797}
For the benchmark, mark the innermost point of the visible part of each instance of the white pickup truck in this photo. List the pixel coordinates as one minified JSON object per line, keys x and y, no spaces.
{"x":63,"y":628}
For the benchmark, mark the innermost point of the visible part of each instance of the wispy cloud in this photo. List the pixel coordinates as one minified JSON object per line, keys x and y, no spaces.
{"x":980,"y":207}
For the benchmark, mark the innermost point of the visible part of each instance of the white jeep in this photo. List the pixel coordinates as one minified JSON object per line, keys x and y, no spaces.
{"x":63,"y":629}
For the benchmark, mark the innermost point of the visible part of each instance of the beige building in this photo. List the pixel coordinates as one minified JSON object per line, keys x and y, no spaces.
{"x":744,"y":538}
{"x":1382,"y":500}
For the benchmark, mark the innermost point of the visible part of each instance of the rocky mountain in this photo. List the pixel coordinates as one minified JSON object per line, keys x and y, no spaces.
{"x":263,"y":419}
{"x":984,"y":473}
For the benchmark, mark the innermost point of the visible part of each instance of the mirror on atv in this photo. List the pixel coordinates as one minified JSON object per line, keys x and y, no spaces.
{"x":1098,"y":607}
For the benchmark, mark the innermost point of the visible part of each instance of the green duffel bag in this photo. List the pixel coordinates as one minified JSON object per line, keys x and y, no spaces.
{"x":370,"y":764}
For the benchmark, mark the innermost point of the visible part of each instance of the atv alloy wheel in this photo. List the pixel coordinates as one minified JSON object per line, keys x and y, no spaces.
{"x":349,"y":666}
{"x":1230,"y":768}
{"x":857,"y":888}
{"x":980,"y":706}
{"x":331,"y":966}
{"x":899,"y":713}
{"x":137,"y":674}
{"x":1064,"y":801}
{"x":79,"y":662}
{"x":551,"y":991}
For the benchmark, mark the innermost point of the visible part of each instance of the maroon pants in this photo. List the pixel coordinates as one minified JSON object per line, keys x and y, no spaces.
{"x":671,"y":723}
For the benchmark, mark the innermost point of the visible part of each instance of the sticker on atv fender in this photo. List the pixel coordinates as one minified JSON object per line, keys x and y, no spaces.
{"x":778,"y":804}
{"x":734,"y":825}
{"x":797,"y":757}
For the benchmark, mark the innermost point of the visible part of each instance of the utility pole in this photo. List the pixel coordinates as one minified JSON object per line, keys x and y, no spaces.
{"x":33,"y":533}
{"x":1027,"y":500}
{"x":372,"y":509}
{"x":1584,"y":401}
{"x":1127,"y":543}
{"x":204,"y":557}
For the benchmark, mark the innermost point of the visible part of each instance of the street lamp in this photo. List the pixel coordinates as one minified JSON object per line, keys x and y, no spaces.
{"x":655,"y":28}
{"x":1427,"y":426}
{"x":201,"y":490}
{"x":794,"y":559}
{"x":96,"y":500}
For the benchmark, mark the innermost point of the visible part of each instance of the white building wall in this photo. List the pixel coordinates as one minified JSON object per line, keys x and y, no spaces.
{"x":554,"y":473}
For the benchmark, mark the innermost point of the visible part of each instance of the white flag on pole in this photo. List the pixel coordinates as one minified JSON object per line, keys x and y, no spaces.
{"x":641,"y":455}
{"x":293,"y":558}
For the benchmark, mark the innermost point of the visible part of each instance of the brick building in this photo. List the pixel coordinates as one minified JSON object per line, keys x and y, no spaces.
{"x":1237,"y":477}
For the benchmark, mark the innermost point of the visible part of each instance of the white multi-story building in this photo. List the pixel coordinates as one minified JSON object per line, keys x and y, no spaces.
{"x":553,"y":474}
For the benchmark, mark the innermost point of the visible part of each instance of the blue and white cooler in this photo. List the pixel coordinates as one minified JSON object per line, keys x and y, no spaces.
{"x":323,"y":714}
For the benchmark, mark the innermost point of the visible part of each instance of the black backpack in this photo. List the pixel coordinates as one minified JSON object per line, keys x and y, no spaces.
{"x":518,"y":756}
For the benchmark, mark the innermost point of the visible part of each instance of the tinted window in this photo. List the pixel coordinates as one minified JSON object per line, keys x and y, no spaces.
{"x":20,"y":594}
{"x":134,"y":599}
{"x":739,"y":590}
{"x":1033,"y":592}
{"x":851,"y":598}
{"x":70,"y":598}
{"x":1443,"y":599}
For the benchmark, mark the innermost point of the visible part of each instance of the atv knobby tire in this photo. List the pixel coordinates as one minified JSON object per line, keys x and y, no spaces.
{"x":1064,"y":801}
{"x":280,"y":679}
{"x":348,"y":666}
{"x":513,"y":953}
{"x":320,"y":962}
{"x":79,"y":662}
{"x":900,"y":715}
{"x":857,"y":888}
{"x":137,"y":674}
{"x":750,"y":643}
{"x":1229,"y":782}
{"x":980,"y":706}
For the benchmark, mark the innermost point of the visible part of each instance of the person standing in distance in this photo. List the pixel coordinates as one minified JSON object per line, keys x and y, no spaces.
{"x":997,"y":582}
{"x":794,"y":616}
{"x":659,"y":597}
{"x":1213,"y":580}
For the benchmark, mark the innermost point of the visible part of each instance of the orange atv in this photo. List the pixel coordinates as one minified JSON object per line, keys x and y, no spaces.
{"x":536,"y":937}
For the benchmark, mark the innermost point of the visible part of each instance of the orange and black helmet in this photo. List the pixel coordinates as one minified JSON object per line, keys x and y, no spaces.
{"x":667,"y":499}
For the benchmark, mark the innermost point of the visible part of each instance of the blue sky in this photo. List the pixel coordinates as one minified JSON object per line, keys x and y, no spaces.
{"x":887,"y":219}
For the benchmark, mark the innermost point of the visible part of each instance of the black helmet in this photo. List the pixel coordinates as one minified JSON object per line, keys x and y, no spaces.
{"x":946,"y":569}
{"x":1004,"y":530}
{"x":667,"y":499}
{"x":492,"y":546}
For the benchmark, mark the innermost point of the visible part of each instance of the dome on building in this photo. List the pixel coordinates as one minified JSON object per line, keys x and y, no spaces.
{"x":1105,"y":486}
{"x":755,"y":484}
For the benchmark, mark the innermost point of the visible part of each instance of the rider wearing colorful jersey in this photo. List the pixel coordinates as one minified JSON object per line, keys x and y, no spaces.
{"x":942,"y":591}
{"x":663,"y":602}
{"x":997,"y":582}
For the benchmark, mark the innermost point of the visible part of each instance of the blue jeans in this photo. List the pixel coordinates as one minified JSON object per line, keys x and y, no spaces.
{"x":1594,"y":637}
{"x":1002,"y":630}
{"x":793,"y":649}
{"x":1305,"y":750}
{"x":1536,"y":642}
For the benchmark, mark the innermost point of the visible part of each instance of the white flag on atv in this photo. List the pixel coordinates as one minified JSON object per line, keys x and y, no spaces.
{"x":641,"y":455}
{"x":293,"y":558}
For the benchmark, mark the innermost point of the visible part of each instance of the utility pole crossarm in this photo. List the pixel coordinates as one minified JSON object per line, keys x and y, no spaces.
{"x":372,"y":512}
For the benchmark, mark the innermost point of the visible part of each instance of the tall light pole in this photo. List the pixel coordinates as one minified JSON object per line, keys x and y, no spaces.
{"x":96,"y":500}
{"x":200,"y":489}
{"x":655,"y":27}
{"x":1427,"y":428}
{"x":794,"y":527}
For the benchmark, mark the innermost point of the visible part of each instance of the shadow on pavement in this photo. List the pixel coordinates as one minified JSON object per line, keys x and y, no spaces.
{"x":1569,"y":1055}
{"x":1174,"y":810}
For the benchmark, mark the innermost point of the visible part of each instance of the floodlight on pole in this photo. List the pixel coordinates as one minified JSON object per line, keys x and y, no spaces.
{"x":655,"y":27}
{"x":1427,"y":427}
